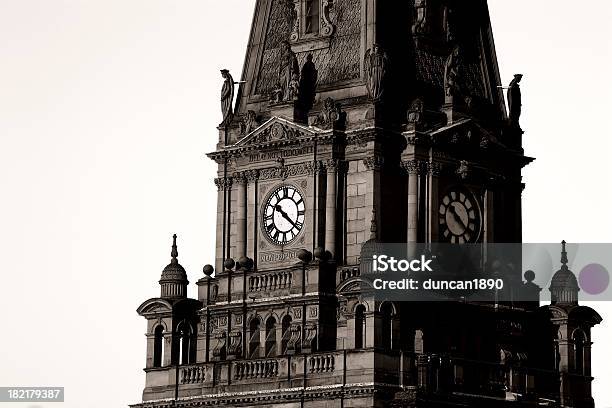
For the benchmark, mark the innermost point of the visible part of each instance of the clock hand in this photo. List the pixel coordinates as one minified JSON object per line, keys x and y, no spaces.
{"x":278,"y":208}
{"x":456,"y":216}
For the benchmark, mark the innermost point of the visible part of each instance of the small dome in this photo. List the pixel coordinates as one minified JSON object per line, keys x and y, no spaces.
{"x":174,"y":272}
{"x":174,"y":277}
{"x":564,"y":286}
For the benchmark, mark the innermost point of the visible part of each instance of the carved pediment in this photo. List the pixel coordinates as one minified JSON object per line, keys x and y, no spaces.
{"x":154,"y":306}
{"x":275,"y":132}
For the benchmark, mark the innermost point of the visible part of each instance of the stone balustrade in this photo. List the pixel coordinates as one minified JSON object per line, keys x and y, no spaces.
{"x":270,"y":282}
{"x":193,"y":374}
{"x":256,"y":369}
{"x":321,"y":363}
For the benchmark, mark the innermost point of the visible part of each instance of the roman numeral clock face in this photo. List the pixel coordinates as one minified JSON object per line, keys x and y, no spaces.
{"x":283,"y":215}
{"x":459,"y":218}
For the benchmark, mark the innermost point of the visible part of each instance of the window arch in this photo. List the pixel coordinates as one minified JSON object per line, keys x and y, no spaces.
{"x":360,"y":323}
{"x":254,"y":341}
{"x":158,"y":346}
{"x":579,"y":353}
{"x":286,"y":333}
{"x":387,"y":326}
{"x":186,"y":346}
{"x":270,"y":337}
{"x":311,"y":16}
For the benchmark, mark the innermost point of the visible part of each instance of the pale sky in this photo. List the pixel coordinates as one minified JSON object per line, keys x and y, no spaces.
{"x":107,"y":108}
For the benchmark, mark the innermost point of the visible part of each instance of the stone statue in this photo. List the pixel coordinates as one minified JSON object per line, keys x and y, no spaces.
{"x":451,"y":73}
{"x":249,"y":124}
{"x":308,"y":84}
{"x":294,"y":87}
{"x":415,"y":113}
{"x":288,"y":69}
{"x":514,"y":100}
{"x":420,"y":17}
{"x":227,"y":96}
{"x":331,"y":115}
{"x":376,"y":65}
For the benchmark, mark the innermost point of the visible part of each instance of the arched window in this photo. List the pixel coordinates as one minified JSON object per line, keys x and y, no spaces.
{"x":185,"y":343}
{"x":387,"y":326}
{"x":360,"y":326}
{"x":254,"y":338}
{"x":579,"y":355}
{"x":285,"y":327}
{"x":271,"y":337}
{"x":311,"y":16}
{"x":158,"y":346}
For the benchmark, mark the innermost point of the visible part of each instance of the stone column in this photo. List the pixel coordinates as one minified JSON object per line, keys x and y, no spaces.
{"x":251,"y":219}
{"x":433,"y":174}
{"x":374,"y":165}
{"x":219,"y":255}
{"x":330,"y":207}
{"x":412,"y":168}
{"x":241,"y":215}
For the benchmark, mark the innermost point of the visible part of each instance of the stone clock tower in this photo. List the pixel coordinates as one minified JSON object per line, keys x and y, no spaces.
{"x":355,"y":123}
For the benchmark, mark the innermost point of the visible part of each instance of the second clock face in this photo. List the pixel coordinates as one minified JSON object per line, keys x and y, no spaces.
{"x":459,"y":218}
{"x":284,"y":214}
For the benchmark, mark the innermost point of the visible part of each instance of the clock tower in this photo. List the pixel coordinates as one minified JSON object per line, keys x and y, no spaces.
{"x":358,"y":123}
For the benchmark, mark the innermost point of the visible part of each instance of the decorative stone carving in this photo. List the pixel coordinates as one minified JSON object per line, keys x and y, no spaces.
{"x":220,"y":344}
{"x":288,"y":73}
{"x":416,"y":114}
{"x":293,"y":17}
{"x":297,"y":312}
{"x":451,"y":73}
{"x":417,"y":167}
{"x":313,"y":312}
{"x":327,"y":28}
{"x":515,"y":100}
{"x":223,"y":183}
{"x":376,"y":66}
{"x":235,"y":344}
{"x":420,"y":17}
{"x":310,"y":333}
{"x":463,"y":170}
{"x":434,"y":168}
{"x":227,"y":96}
{"x":294,"y":338}
{"x":249,"y":124}
{"x":251,"y":175}
{"x":374,"y":162}
{"x":331,"y":116}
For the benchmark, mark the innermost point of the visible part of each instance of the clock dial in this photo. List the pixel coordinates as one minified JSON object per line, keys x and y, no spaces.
{"x":459,"y":217}
{"x":284,"y":214}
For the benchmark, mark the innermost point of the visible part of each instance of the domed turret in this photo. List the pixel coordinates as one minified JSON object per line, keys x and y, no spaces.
{"x":564,"y":285}
{"x":174,"y":278}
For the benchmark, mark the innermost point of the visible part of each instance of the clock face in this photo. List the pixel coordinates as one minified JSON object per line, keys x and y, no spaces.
{"x":283,"y":215}
{"x":459,"y":218}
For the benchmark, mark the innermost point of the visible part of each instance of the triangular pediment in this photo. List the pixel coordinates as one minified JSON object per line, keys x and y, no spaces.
{"x":276,"y":131}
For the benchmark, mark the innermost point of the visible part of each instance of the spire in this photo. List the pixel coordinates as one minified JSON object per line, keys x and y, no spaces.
{"x":563,"y":255}
{"x":373,"y":227}
{"x":174,"y":253}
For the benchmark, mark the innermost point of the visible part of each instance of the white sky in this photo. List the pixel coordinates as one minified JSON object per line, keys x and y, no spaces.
{"x":107,"y":108}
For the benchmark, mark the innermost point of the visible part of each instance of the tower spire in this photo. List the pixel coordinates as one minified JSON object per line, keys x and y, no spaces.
{"x":563,"y":255}
{"x":174,"y":253}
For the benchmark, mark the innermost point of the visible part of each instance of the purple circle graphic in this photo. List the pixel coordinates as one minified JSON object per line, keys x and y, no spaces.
{"x":594,"y":279}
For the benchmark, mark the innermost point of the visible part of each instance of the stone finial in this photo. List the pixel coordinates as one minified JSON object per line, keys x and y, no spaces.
{"x":563,"y":254}
{"x":174,"y":253}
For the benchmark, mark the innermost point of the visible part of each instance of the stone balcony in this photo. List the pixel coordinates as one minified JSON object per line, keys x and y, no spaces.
{"x":430,"y":374}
